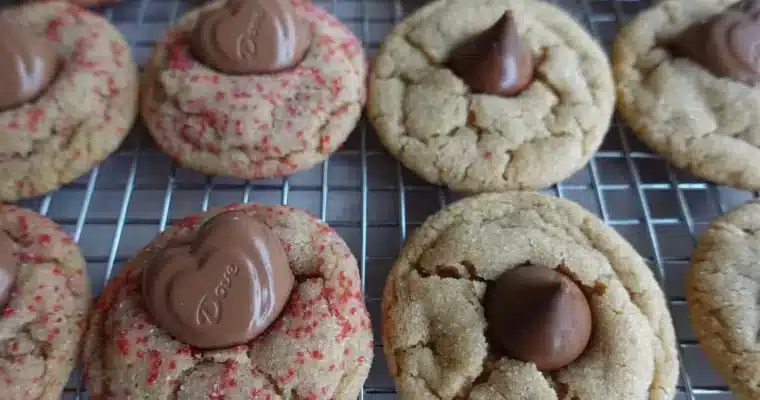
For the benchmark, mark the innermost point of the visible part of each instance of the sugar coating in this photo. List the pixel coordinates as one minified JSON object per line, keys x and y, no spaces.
{"x":82,"y":117}
{"x":42,"y":325}
{"x":255,"y":126}
{"x":433,"y":307}
{"x":320,"y":347}
{"x":698,"y":121}
{"x":430,"y":119}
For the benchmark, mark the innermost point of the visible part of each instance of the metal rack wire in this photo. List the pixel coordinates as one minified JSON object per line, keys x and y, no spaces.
{"x":373,"y":202}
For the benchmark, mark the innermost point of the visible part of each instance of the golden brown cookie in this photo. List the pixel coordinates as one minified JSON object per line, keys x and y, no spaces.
{"x":43,"y":306}
{"x":85,"y":112}
{"x":437,"y":337}
{"x":723,"y":295}
{"x":254,"y":125}
{"x":688,"y":112}
{"x":93,"y":3}
{"x":319,"y":347}
{"x":448,"y":131}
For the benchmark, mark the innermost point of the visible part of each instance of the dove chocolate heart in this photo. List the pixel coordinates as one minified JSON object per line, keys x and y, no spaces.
{"x":728,"y":44}
{"x":223,"y":287}
{"x":8,"y":268}
{"x":251,"y":37}
{"x":536,"y":314}
{"x":29,"y":64}
{"x":496,"y":61}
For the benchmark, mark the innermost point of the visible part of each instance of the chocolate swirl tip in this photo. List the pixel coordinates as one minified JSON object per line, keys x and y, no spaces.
{"x":496,"y":61}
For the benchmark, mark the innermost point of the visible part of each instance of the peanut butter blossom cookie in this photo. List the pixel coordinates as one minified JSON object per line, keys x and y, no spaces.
{"x":524,"y":296}
{"x":687,"y":75}
{"x":44,"y":300}
{"x":68,"y":95}
{"x":244,"y":302}
{"x":723,"y":297}
{"x":491,"y":95}
{"x":254,"y":89}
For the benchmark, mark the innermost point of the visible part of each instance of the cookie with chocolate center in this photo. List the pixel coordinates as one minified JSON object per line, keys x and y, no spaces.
{"x":484,"y":96}
{"x":68,"y":95}
{"x":687,"y":75}
{"x":240,"y":302}
{"x":45,"y":298}
{"x":254,"y":89}
{"x":525,"y":296}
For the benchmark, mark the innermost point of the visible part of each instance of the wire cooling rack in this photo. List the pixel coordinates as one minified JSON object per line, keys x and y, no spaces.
{"x":373,"y":202}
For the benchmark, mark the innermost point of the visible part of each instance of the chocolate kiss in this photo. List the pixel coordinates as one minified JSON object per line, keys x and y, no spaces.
{"x":496,"y":61}
{"x":536,"y":314}
{"x":726,"y":44}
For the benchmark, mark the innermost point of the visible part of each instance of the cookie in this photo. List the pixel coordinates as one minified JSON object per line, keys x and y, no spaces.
{"x":90,"y":3}
{"x":491,"y":95}
{"x":685,"y":96}
{"x":722,"y":296}
{"x":280,"y":104}
{"x":44,"y":298}
{"x":94,"y":3}
{"x":268,"y":296}
{"x":69,"y":105}
{"x":508,"y":284}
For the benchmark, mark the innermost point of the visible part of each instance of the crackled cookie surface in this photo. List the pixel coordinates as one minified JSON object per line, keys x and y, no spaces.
{"x":44,"y":309}
{"x":722,"y":293}
{"x":319,"y":347}
{"x":448,"y":133}
{"x":435,"y":299}
{"x":255,"y":125}
{"x":701,"y":121}
{"x":81,"y":116}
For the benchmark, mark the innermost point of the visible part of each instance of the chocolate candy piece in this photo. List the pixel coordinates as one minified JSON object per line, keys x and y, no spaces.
{"x":251,"y":37}
{"x":224,"y":287}
{"x":29,"y":63}
{"x":8,"y":268}
{"x":536,"y":314}
{"x":496,"y":61}
{"x":728,"y":44}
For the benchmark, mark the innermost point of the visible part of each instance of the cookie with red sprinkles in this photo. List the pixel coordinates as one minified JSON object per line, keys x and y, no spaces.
{"x":285,"y":117}
{"x":84,"y":111}
{"x":319,"y":346}
{"x":44,"y":298}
